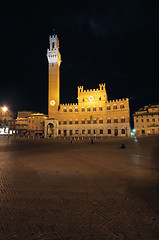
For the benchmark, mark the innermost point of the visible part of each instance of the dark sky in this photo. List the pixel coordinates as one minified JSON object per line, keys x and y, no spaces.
{"x":115,"y":43}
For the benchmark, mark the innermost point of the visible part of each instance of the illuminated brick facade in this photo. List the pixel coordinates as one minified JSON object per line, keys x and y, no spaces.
{"x":146,"y":120}
{"x":93,"y":115}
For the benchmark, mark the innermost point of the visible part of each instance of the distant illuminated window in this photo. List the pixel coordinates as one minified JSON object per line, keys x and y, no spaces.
{"x":94,"y":109}
{"x":122,"y":131}
{"x":101,"y":131}
{"x":115,"y":120}
{"x":89,"y":131}
{"x":100,"y":108}
{"x":70,"y":122}
{"x":115,"y":107}
{"x":83,"y":131}
{"x":99,"y":98}
{"x":122,"y":120}
{"x":94,"y":121}
{"x":121,"y":106}
{"x":109,"y":131}
{"x":108,"y":108}
{"x":83,"y":109}
{"x":100,"y":121}
{"x":70,"y":110}
{"x":64,"y":122}
{"x":76,"y":122}
{"x":76,"y":109}
{"x":83,"y":121}
{"x":108,"y":120}
{"x":88,"y":109}
{"x":89,"y":121}
{"x":65,"y":110}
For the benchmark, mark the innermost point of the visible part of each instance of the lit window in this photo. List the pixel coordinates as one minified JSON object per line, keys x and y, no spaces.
{"x":70,"y":110}
{"x":100,"y":121}
{"x":115,"y":120}
{"x":122,"y":120}
{"x":108,"y":108}
{"x":64,"y":122}
{"x":94,"y":109}
{"x":76,"y":122}
{"x":100,"y":108}
{"x":83,"y":122}
{"x":89,"y":121}
{"x":115,"y":107}
{"x":65,"y":110}
{"x":70,"y":122}
{"x":121,"y":106}
{"x":95,"y":131}
{"x":76,"y":109}
{"x":83,"y":109}
{"x":94,"y":121}
{"x":88,"y":109}
{"x":83,"y":131}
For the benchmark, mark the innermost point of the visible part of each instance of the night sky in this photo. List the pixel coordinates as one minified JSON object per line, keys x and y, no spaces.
{"x":115,"y":43}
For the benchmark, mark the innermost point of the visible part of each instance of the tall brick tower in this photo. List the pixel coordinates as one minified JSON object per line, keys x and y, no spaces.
{"x":54,"y":61}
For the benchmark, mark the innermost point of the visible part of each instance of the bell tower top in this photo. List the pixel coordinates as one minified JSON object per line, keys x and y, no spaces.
{"x":53,"y":54}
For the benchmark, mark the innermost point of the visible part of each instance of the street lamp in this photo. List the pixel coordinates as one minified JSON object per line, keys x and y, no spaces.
{"x":4,"y":108}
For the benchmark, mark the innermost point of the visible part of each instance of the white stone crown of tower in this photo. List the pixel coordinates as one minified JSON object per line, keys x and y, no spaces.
{"x":53,"y":53}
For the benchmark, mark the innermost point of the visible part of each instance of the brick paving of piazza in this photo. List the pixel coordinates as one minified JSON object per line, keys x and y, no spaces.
{"x":55,"y":190}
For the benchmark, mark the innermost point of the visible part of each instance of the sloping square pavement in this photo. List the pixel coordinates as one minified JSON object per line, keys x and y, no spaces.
{"x":58,"y":190}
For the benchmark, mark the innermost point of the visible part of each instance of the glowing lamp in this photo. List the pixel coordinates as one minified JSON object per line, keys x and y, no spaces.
{"x":4,"y":109}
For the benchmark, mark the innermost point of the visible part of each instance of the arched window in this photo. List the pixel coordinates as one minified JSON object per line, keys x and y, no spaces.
{"x":108,"y":120}
{"x":115,"y":120}
{"x":109,"y":131}
{"x":122,"y":120}
{"x":122,"y":106}
{"x":115,"y":107}
{"x":122,"y":131}
{"x":101,"y":131}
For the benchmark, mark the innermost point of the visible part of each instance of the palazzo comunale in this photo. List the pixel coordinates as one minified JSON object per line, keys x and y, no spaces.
{"x":93,"y":116}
